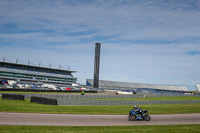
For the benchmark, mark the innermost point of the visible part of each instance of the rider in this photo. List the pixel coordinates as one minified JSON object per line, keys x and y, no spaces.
{"x":138,"y":111}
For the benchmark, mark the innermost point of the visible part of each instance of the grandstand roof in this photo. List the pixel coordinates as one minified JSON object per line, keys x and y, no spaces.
{"x":198,"y":87}
{"x":35,"y":67}
{"x":126,"y":85}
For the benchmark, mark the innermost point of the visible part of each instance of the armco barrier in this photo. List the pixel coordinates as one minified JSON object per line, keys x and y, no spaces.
{"x":13,"y":96}
{"x":43,"y":100}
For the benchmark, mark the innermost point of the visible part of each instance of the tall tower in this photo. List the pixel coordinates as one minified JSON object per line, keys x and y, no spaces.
{"x":96,"y":66}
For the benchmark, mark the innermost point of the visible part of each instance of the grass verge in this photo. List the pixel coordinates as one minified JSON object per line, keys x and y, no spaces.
{"x":102,"y":129}
{"x":27,"y":107}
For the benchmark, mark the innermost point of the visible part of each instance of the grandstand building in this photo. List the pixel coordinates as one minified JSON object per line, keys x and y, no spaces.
{"x":35,"y":75}
{"x":138,"y":87}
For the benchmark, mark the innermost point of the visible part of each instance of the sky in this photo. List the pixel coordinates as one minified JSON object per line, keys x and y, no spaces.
{"x":142,"y":41}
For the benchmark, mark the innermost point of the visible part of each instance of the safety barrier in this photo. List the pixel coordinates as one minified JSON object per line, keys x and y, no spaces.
{"x":13,"y":96}
{"x":94,"y":99}
{"x":99,"y":96}
{"x":120,"y":102}
{"x":43,"y":100}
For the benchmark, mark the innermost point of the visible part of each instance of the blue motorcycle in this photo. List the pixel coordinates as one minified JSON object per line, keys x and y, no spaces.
{"x":135,"y":115}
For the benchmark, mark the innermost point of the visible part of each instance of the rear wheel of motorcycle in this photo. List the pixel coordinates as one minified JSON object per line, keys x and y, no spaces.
{"x":131,"y":117}
{"x":147,"y":117}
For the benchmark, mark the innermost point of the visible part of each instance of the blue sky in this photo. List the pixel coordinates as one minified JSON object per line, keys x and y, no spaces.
{"x":142,"y":41}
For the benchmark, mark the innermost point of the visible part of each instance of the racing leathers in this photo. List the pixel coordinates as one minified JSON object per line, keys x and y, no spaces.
{"x":139,"y":113}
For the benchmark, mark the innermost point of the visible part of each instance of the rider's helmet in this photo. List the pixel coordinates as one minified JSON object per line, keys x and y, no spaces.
{"x":135,"y":107}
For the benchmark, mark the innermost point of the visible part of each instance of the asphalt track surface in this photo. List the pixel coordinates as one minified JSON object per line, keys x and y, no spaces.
{"x":93,"y":120}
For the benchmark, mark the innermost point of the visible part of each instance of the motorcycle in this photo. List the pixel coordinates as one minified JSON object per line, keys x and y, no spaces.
{"x":133,"y":115}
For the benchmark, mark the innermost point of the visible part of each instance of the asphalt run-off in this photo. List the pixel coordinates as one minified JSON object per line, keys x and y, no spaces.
{"x":93,"y":120}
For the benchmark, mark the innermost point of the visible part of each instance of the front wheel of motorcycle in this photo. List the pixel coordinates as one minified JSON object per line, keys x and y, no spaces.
{"x":131,"y":117}
{"x":147,"y":117}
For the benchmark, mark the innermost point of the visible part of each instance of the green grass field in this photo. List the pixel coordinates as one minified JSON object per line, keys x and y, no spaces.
{"x":102,"y":129}
{"x":27,"y":107}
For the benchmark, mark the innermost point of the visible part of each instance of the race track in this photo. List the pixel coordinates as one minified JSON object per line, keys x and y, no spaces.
{"x":92,"y":120}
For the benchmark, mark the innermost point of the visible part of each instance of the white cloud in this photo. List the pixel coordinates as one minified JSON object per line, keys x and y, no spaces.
{"x":142,"y":41}
{"x":133,"y":22}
